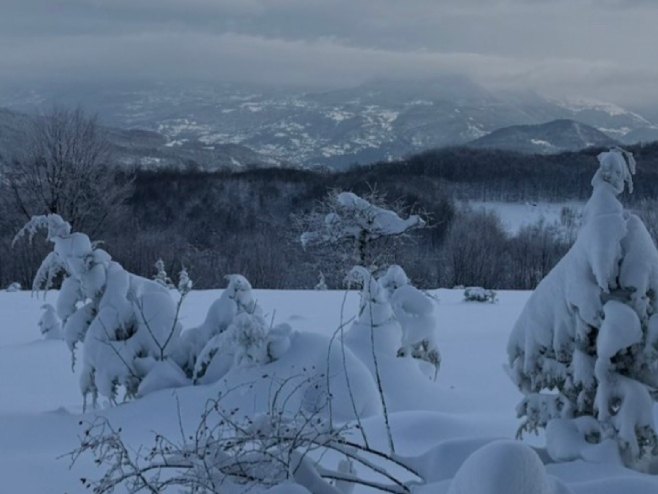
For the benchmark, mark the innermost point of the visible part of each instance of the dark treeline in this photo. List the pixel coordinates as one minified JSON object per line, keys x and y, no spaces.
{"x":509,"y":176}
{"x":244,"y":222}
{"x":221,"y":223}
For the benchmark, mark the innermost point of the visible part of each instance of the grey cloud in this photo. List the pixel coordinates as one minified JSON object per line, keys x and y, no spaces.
{"x":560,"y":46}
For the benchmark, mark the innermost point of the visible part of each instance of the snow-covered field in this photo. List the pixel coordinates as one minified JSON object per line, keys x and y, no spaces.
{"x":471,"y":402}
{"x":516,"y":215}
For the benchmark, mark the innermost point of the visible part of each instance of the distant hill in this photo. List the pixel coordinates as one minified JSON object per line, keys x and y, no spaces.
{"x":552,"y":137}
{"x":382,"y":120}
{"x":149,"y":149}
{"x":146,"y":149}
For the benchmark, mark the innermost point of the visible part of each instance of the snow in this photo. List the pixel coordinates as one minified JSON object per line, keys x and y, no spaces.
{"x":474,"y":131}
{"x":439,"y":423}
{"x":516,"y":215}
{"x":504,"y":467}
{"x":541,"y":142}
{"x":621,"y":131}
{"x":620,"y":329}
{"x":581,"y":104}
{"x":352,"y":219}
{"x":339,"y":115}
{"x":176,"y":143}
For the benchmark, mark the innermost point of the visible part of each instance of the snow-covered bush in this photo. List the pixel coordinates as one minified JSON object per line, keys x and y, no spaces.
{"x":376,"y":327}
{"x":395,"y":318}
{"x":127,"y":324}
{"x":50,"y":324}
{"x":584,"y":351}
{"x":347,"y":220}
{"x":14,"y":287}
{"x":414,"y":310}
{"x":232,"y":453}
{"x":161,"y":275}
{"x":479,"y":294}
{"x":236,"y":298}
{"x":234,"y":333}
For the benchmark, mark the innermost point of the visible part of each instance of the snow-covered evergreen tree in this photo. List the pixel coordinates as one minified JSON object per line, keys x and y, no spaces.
{"x":584,"y":351}
{"x":161,"y":275}
{"x":234,"y":333}
{"x":126,"y":323}
{"x":237,"y":297}
{"x":185,"y":283}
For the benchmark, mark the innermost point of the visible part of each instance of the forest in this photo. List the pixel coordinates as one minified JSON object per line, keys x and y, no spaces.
{"x":249,"y":221}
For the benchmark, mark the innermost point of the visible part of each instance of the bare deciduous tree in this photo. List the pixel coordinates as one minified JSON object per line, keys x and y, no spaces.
{"x":66,"y":169}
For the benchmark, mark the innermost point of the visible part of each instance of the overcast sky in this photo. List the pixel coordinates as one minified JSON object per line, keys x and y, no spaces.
{"x":598,"y":48}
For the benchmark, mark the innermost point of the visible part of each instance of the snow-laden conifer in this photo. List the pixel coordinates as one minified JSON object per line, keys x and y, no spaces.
{"x":234,"y":333}
{"x":126,"y":323}
{"x":584,"y":351}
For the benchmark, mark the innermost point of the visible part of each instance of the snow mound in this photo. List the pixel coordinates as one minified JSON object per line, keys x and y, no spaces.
{"x":504,"y":467}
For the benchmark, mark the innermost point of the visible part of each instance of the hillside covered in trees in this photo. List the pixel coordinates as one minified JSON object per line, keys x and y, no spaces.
{"x":227,"y":222}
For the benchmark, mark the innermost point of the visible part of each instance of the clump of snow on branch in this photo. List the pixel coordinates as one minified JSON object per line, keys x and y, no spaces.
{"x":584,"y":351}
{"x":49,"y":324}
{"x":357,"y":222}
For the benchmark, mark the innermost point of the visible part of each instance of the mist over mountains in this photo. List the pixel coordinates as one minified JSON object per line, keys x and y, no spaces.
{"x":229,"y":125}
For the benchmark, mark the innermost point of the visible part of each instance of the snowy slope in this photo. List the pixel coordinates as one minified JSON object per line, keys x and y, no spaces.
{"x":546,"y":138}
{"x":473,"y":399}
{"x":145,"y":148}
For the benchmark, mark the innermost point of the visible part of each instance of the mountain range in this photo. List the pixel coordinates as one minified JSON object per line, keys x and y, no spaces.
{"x":145,"y":149}
{"x":230,"y":125}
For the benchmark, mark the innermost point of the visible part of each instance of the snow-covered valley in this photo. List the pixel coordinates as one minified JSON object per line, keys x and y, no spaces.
{"x":516,"y":215}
